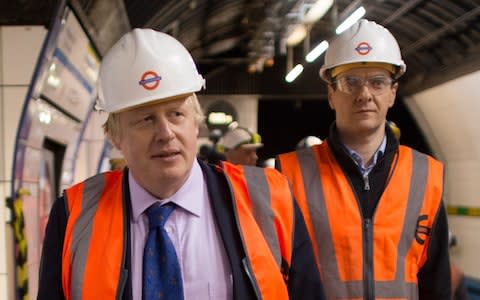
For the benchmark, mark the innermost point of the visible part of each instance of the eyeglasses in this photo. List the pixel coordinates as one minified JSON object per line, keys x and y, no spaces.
{"x":353,"y":85}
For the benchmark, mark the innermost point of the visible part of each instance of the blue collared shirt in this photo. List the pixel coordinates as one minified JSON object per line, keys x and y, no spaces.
{"x":365,"y":170}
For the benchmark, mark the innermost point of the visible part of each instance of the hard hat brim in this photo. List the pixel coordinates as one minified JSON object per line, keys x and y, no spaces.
{"x":153,"y":101}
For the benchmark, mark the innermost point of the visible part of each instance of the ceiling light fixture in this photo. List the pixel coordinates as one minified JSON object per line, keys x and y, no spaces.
{"x":317,"y":11}
{"x":219,"y":118}
{"x":354,"y":17}
{"x":293,"y":74}
{"x":298,"y":34}
{"x":316,"y":52}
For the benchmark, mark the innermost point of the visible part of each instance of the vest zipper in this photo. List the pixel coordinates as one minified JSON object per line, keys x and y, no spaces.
{"x":366,"y":182}
{"x":367,"y":245}
{"x":368,"y":283}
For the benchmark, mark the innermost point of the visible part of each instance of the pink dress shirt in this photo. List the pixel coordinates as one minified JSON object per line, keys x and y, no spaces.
{"x":203,"y":262}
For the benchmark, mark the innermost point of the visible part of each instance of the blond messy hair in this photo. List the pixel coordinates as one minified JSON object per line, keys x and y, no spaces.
{"x":111,"y":127}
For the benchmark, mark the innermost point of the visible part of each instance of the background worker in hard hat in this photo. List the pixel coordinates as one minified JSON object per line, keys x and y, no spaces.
{"x":169,"y":226}
{"x":308,"y":141}
{"x":117,"y":161}
{"x":459,"y":289}
{"x":394,"y":129}
{"x":373,"y":208}
{"x":239,"y":145}
{"x":208,"y":152}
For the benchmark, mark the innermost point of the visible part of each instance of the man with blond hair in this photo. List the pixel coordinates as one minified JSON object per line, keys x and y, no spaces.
{"x":169,"y":226}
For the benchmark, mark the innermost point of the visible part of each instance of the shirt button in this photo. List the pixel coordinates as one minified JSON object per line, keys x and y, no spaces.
{"x":169,"y":229}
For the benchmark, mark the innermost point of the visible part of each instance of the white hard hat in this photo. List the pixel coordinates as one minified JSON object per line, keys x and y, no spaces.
{"x":115,"y":154}
{"x":364,"y":42}
{"x":239,"y":137}
{"x":308,"y":141}
{"x":146,"y":65}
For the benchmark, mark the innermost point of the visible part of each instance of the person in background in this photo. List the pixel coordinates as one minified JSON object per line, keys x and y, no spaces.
{"x":169,"y":226}
{"x":239,"y":145}
{"x":459,"y":290}
{"x":268,"y":163}
{"x":208,"y":152}
{"x":117,"y":161}
{"x":373,"y":208}
{"x":307,"y":142}
{"x":397,"y":133}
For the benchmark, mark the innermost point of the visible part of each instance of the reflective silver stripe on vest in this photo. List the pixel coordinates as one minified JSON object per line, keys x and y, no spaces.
{"x":82,"y":232}
{"x":321,"y":226}
{"x":259,"y":192}
{"x":334,"y":287}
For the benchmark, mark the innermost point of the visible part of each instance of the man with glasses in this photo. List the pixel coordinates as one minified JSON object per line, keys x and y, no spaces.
{"x":373,"y":208}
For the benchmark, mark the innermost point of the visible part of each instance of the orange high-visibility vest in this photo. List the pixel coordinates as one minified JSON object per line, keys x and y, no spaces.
{"x":393,"y":245}
{"x":94,"y":246}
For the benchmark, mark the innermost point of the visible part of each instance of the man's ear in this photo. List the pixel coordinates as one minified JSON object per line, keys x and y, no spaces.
{"x":116,"y":142}
{"x":394,"y":94}
{"x":330,"y":92}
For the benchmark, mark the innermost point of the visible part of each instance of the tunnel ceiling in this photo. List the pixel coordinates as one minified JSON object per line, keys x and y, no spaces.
{"x":239,"y":45}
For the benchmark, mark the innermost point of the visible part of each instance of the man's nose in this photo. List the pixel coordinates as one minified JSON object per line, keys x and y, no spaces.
{"x":163,"y":129}
{"x":364,"y":94}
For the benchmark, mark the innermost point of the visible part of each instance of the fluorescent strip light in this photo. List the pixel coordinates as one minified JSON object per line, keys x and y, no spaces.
{"x":297,"y":35}
{"x":293,"y":74}
{"x":317,"y":11}
{"x":316,"y":52}
{"x":219,"y":118}
{"x":352,"y":19}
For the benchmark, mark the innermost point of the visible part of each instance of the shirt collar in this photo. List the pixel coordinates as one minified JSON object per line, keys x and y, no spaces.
{"x":376,"y":156}
{"x":187,"y":197}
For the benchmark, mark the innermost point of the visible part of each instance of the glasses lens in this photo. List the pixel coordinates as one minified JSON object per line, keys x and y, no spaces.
{"x":353,"y":85}
{"x":379,"y":83}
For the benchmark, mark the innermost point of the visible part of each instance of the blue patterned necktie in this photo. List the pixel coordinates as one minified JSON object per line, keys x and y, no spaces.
{"x":161,"y":272}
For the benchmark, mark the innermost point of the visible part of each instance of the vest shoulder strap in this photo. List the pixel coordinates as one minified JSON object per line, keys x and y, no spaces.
{"x":93,"y":249}
{"x":265,"y":217}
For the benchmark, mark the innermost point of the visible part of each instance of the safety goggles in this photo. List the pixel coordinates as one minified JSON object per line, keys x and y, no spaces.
{"x":353,"y":85}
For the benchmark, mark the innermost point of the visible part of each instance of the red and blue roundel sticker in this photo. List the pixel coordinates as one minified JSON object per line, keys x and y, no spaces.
{"x":363,"y":48}
{"x":150,"y":80}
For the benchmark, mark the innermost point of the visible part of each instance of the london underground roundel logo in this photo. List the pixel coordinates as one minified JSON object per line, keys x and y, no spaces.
{"x":150,"y":80}
{"x":363,"y":48}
